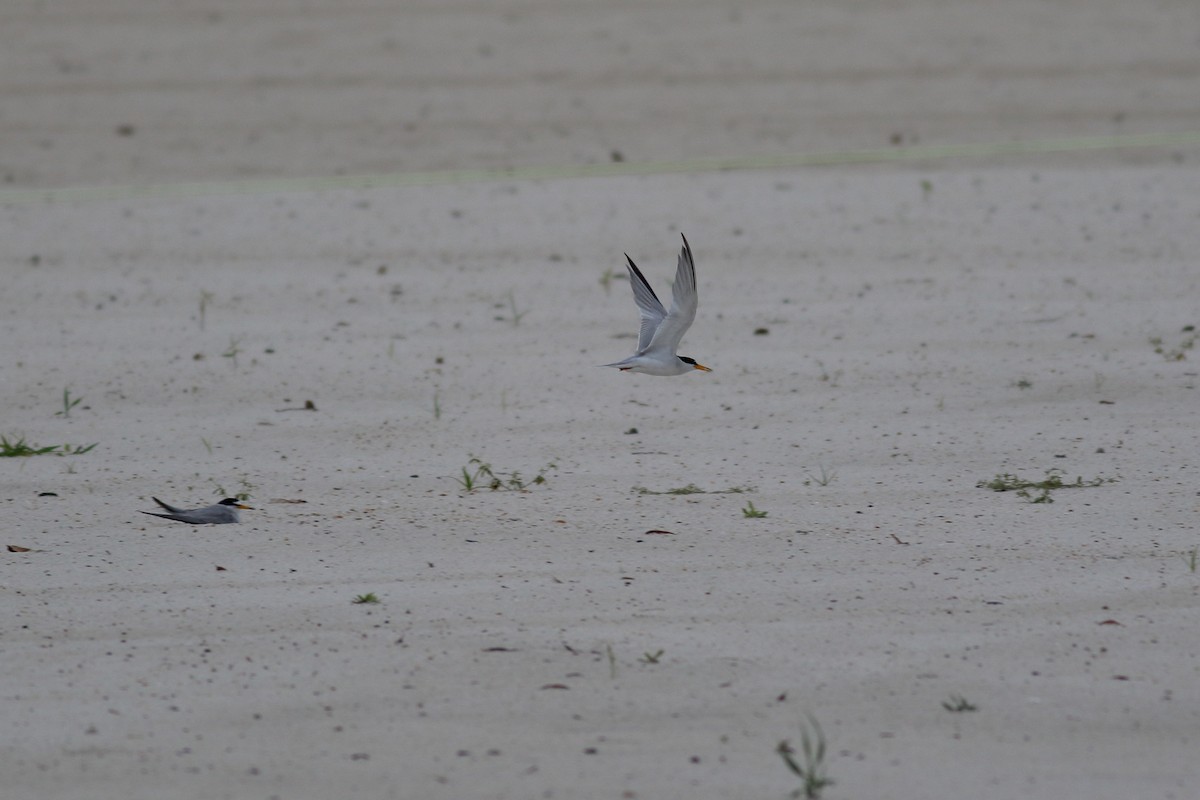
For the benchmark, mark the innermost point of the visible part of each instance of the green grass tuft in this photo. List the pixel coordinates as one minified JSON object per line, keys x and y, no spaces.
{"x":810,"y":766}
{"x":750,"y":512}
{"x":18,"y":447}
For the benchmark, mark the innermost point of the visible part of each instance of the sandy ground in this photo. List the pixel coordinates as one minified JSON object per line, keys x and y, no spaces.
{"x":883,"y":339}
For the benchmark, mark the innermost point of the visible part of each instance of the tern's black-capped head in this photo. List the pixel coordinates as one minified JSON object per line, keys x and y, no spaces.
{"x":233,"y":501}
{"x":692,"y":362}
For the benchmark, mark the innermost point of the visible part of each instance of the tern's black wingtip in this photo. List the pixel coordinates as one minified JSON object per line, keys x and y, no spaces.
{"x":687,"y":248}
{"x":633,"y":268}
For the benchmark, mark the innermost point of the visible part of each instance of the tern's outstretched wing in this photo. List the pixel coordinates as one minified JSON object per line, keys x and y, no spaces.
{"x":683,"y":305}
{"x":176,"y":517}
{"x":647,"y":301}
{"x":166,"y":507}
{"x":212,"y":515}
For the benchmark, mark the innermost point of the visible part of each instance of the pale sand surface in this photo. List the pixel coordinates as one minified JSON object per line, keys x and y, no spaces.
{"x":119,"y":91}
{"x":927,"y":329}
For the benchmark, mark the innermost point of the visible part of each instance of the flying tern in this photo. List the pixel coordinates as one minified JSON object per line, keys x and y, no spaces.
{"x":222,"y":513}
{"x":661,"y":331}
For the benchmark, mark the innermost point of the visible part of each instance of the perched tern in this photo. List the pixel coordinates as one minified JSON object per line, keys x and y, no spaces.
{"x":661,"y":331}
{"x":222,"y":513}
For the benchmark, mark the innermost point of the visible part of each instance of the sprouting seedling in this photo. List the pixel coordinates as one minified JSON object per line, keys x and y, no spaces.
{"x":831,"y":378}
{"x":467,"y":480}
{"x":612,"y":661}
{"x":1190,"y":558}
{"x":68,"y":404}
{"x":957,"y":704}
{"x":207,"y":446}
{"x":369,"y":597}
{"x":235,"y":347}
{"x":512,"y":307}
{"x":205,"y":299}
{"x":810,"y":767}
{"x":437,"y":405}
{"x":750,"y":512}
{"x":826,"y":476}
{"x":651,"y":658}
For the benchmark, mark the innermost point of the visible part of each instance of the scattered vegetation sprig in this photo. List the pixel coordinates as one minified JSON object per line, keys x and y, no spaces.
{"x":515,"y":315}
{"x":1191,"y":557}
{"x":234,"y":350}
{"x":1039,"y":491}
{"x":750,"y":512}
{"x":957,"y":704}
{"x":206,"y":297}
{"x":809,"y":764}
{"x":651,"y":658}
{"x":692,"y":488}
{"x":243,"y":495}
{"x":17,"y":447}
{"x":478,"y":474}
{"x":1178,"y":352}
{"x":827,"y":476}
{"x":68,"y":404}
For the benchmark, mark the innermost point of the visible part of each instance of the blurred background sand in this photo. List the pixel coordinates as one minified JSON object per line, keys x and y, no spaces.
{"x":124,"y":91}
